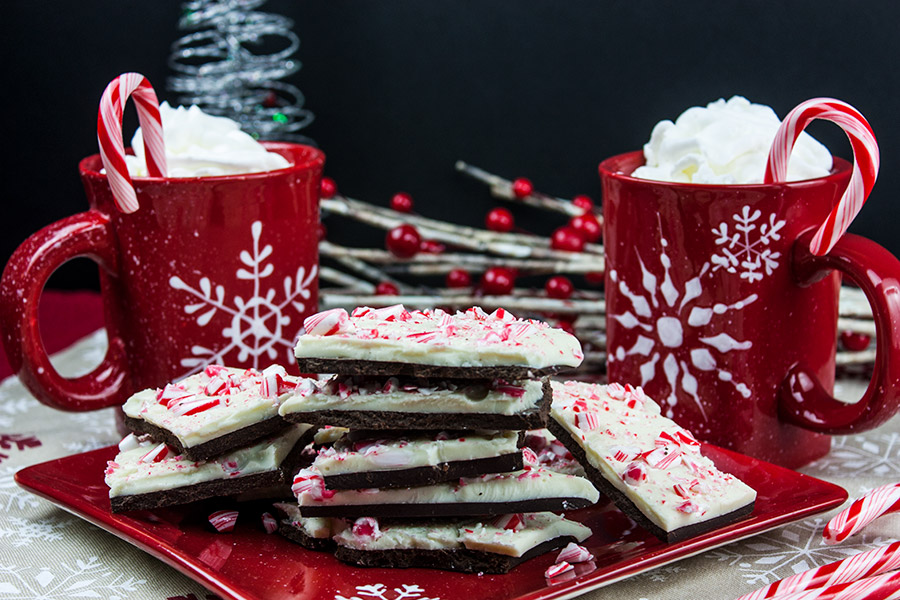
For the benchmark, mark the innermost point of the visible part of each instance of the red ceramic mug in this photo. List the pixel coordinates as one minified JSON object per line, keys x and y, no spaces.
{"x":208,"y":269}
{"x":716,"y":307}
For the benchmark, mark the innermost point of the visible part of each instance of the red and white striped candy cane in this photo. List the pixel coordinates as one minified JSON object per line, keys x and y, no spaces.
{"x":865,"y":164}
{"x":880,"y":587}
{"x":864,"y":510}
{"x":109,"y":135}
{"x":860,"y":566}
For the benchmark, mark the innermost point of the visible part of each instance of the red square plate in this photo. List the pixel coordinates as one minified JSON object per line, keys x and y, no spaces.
{"x":251,"y":564}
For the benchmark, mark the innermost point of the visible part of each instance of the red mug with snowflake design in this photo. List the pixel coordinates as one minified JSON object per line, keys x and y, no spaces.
{"x":216,"y":269}
{"x":717,"y":308}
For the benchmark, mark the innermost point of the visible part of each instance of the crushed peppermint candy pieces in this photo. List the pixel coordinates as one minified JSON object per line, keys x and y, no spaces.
{"x":223,"y":520}
{"x":656,"y":465}
{"x":471,"y":330}
{"x":558,"y":569}
{"x":269,"y":523}
{"x":573,"y":553}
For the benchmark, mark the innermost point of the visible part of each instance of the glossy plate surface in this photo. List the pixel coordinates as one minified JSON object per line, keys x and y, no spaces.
{"x":250,"y":564}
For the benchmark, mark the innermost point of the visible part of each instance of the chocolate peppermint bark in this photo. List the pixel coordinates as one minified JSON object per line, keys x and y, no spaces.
{"x":146,"y":474}
{"x":395,"y":403}
{"x":379,"y":459}
{"x":651,"y":468}
{"x":215,"y":411}
{"x":433,"y":344}
{"x":529,"y":490}
{"x":487,"y":546}
{"x":314,"y":533}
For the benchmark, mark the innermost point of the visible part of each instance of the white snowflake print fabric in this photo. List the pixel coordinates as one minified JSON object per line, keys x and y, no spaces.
{"x":257,"y":330}
{"x":44,"y":551}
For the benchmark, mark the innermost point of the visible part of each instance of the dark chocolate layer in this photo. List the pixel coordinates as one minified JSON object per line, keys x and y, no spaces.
{"x":392,"y":369}
{"x":629,"y":508}
{"x":427,"y":475}
{"x":448,"y":509}
{"x":457,"y":559}
{"x":532,"y":418}
{"x":214,"y":447}
{"x":274,"y":480}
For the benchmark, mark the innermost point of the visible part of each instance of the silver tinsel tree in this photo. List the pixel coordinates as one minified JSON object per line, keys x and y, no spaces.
{"x":231,"y":63}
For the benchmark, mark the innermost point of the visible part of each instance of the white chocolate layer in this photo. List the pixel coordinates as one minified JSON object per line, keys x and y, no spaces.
{"x":617,"y":427}
{"x":469,"y":339}
{"x":483,"y":536}
{"x":391,"y":454}
{"x":240,"y":404}
{"x":528,"y":484}
{"x":419,"y":400}
{"x":316,"y":527}
{"x":128,"y":474}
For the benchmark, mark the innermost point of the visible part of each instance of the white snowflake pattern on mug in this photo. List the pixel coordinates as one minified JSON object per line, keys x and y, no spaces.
{"x":660,"y":315}
{"x":745,"y":249}
{"x":257,"y":326}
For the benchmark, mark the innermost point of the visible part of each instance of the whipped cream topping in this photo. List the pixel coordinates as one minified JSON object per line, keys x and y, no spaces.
{"x":202,"y":145}
{"x":143,"y":466}
{"x":727,"y":142}
{"x":214,"y":402}
{"x":527,"y":484}
{"x":345,"y":393}
{"x":510,"y":535}
{"x":466,"y":339}
{"x":653,"y":461}
{"x":409,"y":451}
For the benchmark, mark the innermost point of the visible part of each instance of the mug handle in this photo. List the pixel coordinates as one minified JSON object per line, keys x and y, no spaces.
{"x":86,"y":234}
{"x":876,"y":271}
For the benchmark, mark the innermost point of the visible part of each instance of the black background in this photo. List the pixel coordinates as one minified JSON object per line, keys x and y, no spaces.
{"x":403,"y":88}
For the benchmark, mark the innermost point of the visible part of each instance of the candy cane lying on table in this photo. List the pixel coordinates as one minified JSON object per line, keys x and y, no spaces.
{"x":865,"y":163}
{"x":109,"y":135}
{"x":880,"y":587}
{"x":865,"y":509}
{"x":858,"y":566}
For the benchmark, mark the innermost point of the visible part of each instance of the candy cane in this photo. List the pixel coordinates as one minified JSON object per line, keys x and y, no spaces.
{"x":859,"y":566}
{"x":880,"y":587}
{"x":109,"y":135}
{"x":865,"y":164}
{"x":223,"y":520}
{"x":864,"y":510}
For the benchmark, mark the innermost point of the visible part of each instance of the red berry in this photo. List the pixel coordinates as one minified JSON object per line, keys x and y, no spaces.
{"x":497,"y":281}
{"x":583,"y":202}
{"x":322,"y":231}
{"x":522,"y":187}
{"x":566,"y":239}
{"x":559,"y":287}
{"x":403,"y":241}
{"x":402,"y":202}
{"x":587,"y":227}
{"x":431,"y":247}
{"x":499,"y":219}
{"x":854,"y":342}
{"x":595,"y":277}
{"x":386,"y":288}
{"x":327,"y":187}
{"x":270,"y":100}
{"x":458,"y":278}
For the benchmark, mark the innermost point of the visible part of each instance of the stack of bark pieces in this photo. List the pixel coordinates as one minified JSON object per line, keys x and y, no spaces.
{"x":432,"y":471}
